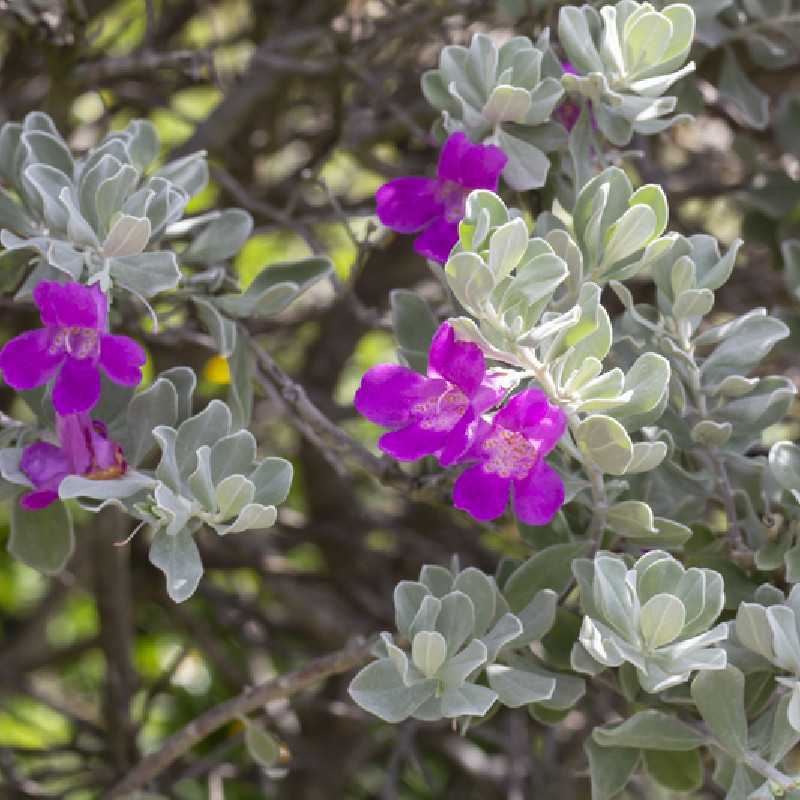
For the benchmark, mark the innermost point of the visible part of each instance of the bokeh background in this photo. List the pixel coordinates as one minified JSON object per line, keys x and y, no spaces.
{"x":305,"y":107}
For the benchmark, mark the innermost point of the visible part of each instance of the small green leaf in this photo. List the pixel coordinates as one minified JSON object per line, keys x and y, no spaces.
{"x":681,"y":772}
{"x":646,"y":456}
{"x":428,"y":652}
{"x":527,"y":165}
{"x":750,"y":101}
{"x":272,"y":479}
{"x":710,"y":433}
{"x":262,"y":746}
{"x":414,"y":326}
{"x":222,"y":329}
{"x":156,"y":405}
{"x":146,"y":274}
{"x":275,"y":287}
{"x":232,"y":495}
{"x":605,"y":443}
{"x":784,"y":463}
{"x":719,"y":697}
{"x":610,"y":767}
{"x":662,"y":619}
{"x":379,"y":689}
{"x":179,"y":559}
{"x":547,"y":569}
{"x":240,"y":392}
{"x":507,"y":104}
{"x":631,"y":518}
{"x":128,"y":236}
{"x":653,"y":730}
{"x":220,"y":239}
{"x":507,"y":246}
{"x":42,"y":539}
{"x":517,"y":687}
{"x":207,"y":427}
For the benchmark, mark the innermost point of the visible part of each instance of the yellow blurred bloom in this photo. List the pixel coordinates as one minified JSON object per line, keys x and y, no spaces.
{"x":217,"y":371}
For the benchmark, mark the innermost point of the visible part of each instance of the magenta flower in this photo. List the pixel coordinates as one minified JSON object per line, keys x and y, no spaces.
{"x":71,"y":346}
{"x":568,"y":113}
{"x":85,"y":450}
{"x":435,"y":206}
{"x":433,"y":415}
{"x":510,"y":453}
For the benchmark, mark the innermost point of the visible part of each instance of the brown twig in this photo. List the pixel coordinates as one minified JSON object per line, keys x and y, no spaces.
{"x":324,"y":433}
{"x":316,"y":670}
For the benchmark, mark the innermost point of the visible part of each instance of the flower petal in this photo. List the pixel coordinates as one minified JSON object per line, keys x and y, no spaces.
{"x":461,"y":363}
{"x":481,"y":494}
{"x":122,"y":358}
{"x":473,"y":166}
{"x":437,"y":240}
{"x":388,"y":392}
{"x":41,"y":498}
{"x":71,"y":304}
{"x":538,"y":496}
{"x":459,"y":439}
{"x":548,"y":430}
{"x":407,"y":204}
{"x":106,"y":453}
{"x":26,"y":361}
{"x":533,"y":415}
{"x":45,"y":464}
{"x":73,"y":430}
{"x":477,"y":435}
{"x":412,"y":442}
{"x":523,"y":411}
{"x":77,"y":387}
{"x":494,"y":388}
{"x":453,"y":151}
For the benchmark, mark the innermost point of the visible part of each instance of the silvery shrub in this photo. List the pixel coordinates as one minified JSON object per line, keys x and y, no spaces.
{"x":664,"y":404}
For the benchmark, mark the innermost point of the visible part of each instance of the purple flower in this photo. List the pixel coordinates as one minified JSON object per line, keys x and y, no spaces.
{"x":71,"y":346}
{"x":435,"y":206}
{"x":85,"y":450}
{"x":433,"y":415}
{"x":510,"y":453}
{"x":569,"y":112}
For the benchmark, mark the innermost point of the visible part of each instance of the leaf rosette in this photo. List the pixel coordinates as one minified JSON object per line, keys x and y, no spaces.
{"x":503,"y":96}
{"x":626,"y":56}
{"x":656,"y":616}
{"x":459,"y":627}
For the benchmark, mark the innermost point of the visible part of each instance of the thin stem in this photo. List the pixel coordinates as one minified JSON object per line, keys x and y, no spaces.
{"x":328,"y":436}
{"x":599,"y":497}
{"x":770,"y":772}
{"x":248,"y":701}
{"x":712,"y":455}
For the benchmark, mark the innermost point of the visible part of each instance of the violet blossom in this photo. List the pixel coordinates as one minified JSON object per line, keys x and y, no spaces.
{"x":510,"y":456}
{"x":569,"y":111}
{"x":435,"y":206}
{"x":71,"y":346}
{"x":437,"y":414}
{"x":86,"y":450}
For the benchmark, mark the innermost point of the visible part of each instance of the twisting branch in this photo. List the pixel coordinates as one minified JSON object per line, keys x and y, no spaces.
{"x":190,"y":62}
{"x":248,"y":701}
{"x":317,"y":427}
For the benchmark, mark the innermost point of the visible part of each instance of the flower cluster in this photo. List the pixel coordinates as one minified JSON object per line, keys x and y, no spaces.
{"x":69,"y":352}
{"x":444,"y":413}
